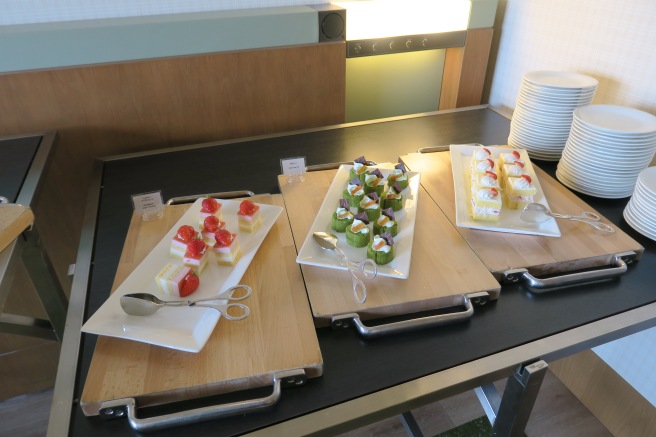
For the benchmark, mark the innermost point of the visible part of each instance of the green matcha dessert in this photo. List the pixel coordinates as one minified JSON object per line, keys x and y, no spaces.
{"x":392,"y":198}
{"x":342,"y":217}
{"x":354,"y":192}
{"x":381,"y":249}
{"x":386,"y":223}
{"x":399,"y":176}
{"x":358,"y":233}
{"x":370,"y":205}
{"x":359,"y":169}
{"x":374,"y":182}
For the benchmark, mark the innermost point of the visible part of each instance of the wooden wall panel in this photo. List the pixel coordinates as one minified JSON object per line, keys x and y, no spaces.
{"x":464,"y":70}
{"x":115,"y":108}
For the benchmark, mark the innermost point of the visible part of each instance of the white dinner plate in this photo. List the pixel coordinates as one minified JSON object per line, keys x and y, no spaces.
{"x":181,"y":328}
{"x":509,"y":220}
{"x":312,"y":254}
{"x":613,"y":119}
{"x":560,"y":79}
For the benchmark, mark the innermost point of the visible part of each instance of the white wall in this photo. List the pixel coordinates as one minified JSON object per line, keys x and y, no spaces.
{"x":41,"y":11}
{"x":613,"y":41}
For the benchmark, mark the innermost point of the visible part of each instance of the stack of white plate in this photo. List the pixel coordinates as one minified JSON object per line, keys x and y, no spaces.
{"x":640,"y":212}
{"x":607,"y":148}
{"x":543,"y":113}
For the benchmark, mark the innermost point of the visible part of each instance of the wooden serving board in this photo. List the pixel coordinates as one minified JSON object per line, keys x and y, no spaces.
{"x":14,"y":219}
{"x":278,"y":335}
{"x":579,"y":246}
{"x":443,"y":267}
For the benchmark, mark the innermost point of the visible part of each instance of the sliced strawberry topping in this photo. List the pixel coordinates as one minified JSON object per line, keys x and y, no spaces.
{"x":515,"y":153}
{"x":186,"y":233}
{"x":223,"y":238}
{"x":196,"y":247}
{"x":519,"y":163}
{"x":491,"y":163}
{"x":212,"y":223}
{"x":494,"y":191}
{"x":491,"y":174}
{"x":247,"y":207}
{"x":487,"y":150}
{"x":527,"y":177}
{"x":210,"y":205}
{"x":189,"y":284}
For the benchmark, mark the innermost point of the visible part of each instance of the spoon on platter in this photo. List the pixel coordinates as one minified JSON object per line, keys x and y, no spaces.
{"x":538,"y":213}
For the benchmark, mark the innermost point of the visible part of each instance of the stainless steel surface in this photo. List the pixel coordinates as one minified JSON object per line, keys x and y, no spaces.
{"x":405,"y":43}
{"x":366,"y":268}
{"x":538,"y":213}
{"x":223,"y":195}
{"x":353,"y":319}
{"x":538,"y":285}
{"x":490,"y":400}
{"x":404,"y":397}
{"x":62,"y":403}
{"x":145,"y":304}
{"x":127,"y":407}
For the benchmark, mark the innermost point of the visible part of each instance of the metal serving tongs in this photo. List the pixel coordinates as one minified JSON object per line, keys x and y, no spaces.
{"x":366,"y":268}
{"x":538,"y":213}
{"x":145,"y":304}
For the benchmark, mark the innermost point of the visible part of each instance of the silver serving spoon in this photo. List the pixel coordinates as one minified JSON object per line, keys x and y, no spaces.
{"x":367,"y":268}
{"x":145,"y":304}
{"x":538,"y":213}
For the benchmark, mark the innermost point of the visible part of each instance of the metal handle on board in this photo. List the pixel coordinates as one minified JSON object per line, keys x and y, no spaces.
{"x":223,"y":195}
{"x":618,"y":266}
{"x":127,"y":407}
{"x":468,"y":301}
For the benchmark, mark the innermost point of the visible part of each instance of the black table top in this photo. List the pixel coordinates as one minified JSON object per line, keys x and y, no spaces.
{"x":352,"y":366}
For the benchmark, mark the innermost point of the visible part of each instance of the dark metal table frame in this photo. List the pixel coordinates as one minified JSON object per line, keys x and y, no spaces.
{"x":524,"y":363}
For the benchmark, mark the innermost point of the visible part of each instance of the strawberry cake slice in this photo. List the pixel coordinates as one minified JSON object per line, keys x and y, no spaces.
{"x":211,"y":225}
{"x":179,"y":242}
{"x":171,"y":278}
{"x":226,"y":249}
{"x":209,"y":207}
{"x":249,"y":216}
{"x":196,"y":255}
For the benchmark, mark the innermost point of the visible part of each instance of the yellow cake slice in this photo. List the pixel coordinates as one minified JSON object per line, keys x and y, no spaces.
{"x":486,"y":204}
{"x":519,"y":191}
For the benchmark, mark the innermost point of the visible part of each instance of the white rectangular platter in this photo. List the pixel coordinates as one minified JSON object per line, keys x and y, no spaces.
{"x":509,"y":220}
{"x":312,"y":254}
{"x":182,"y":328}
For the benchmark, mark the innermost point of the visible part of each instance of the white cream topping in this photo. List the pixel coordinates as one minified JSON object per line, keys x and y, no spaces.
{"x":510,"y":157}
{"x":516,"y":170}
{"x":488,"y":181}
{"x":358,"y":168}
{"x":522,"y":198}
{"x":371,"y":178}
{"x":377,"y":240}
{"x":343,"y":213}
{"x":521,"y":183}
{"x":366,"y":200}
{"x":483,"y":166}
{"x":356,"y":223}
{"x":351,"y":187}
{"x":481,"y":154}
{"x":388,"y":224}
{"x":398,"y":175}
{"x":486,"y":194}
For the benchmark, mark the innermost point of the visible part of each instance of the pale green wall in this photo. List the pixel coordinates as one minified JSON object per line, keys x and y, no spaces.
{"x":390,"y":85}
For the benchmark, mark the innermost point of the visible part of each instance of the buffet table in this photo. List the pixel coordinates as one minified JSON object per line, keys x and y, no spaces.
{"x":363,"y":380}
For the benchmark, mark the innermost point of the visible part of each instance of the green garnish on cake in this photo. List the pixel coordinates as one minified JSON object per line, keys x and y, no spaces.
{"x":358,"y":233}
{"x":386,"y":223}
{"x":342,"y":217}
{"x":381,"y":249}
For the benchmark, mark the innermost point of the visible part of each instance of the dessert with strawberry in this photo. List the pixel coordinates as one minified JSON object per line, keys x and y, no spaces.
{"x":211,"y":225}
{"x":172,"y":278}
{"x":196,"y":255}
{"x":249,"y":216}
{"x":520,"y":191}
{"x":209,"y":206}
{"x":179,"y":242}
{"x":226,"y":249}
{"x":486,"y":204}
